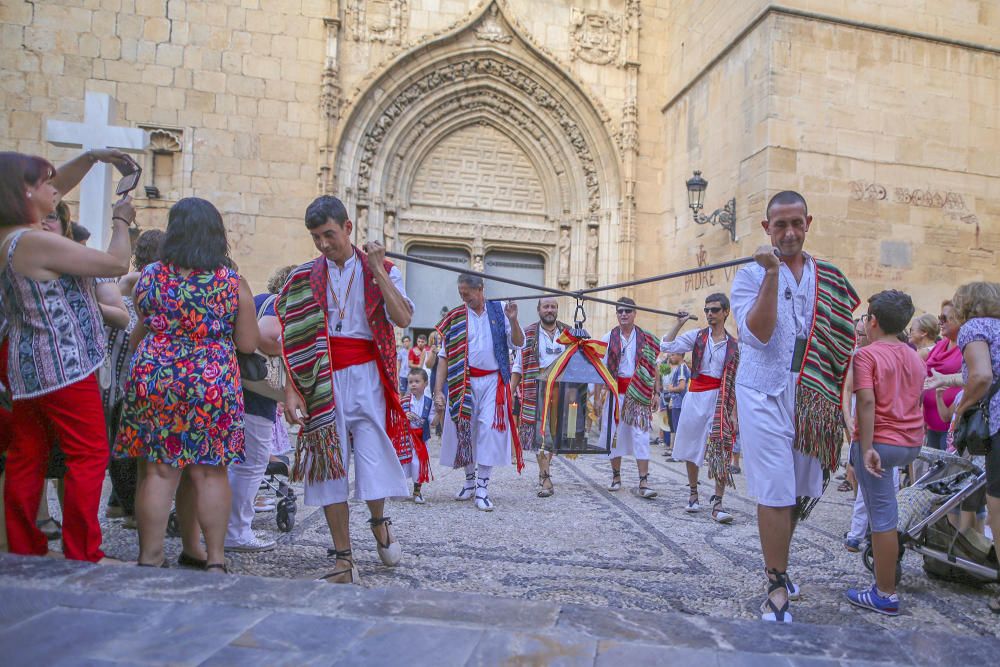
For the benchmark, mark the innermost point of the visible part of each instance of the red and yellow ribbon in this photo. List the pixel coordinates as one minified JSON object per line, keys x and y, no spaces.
{"x":594,"y":351}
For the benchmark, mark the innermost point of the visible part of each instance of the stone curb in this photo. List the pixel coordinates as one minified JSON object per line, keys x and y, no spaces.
{"x":497,"y":626}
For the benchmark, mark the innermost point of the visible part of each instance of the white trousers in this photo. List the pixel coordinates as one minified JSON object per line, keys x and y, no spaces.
{"x":244,"y":480}
{"x":777,"y":474}
{"x":361,"y":422}
{"x":489,"y":447}
{"x":626,"y":440}
{"x":697,"y":414}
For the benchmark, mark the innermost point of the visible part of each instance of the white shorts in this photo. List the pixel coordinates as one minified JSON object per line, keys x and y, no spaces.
{"x":489,"y":446}
{"x":626,"y":440}
{"x":697,"y":414}
{"x":361,"y":416}
{"x":777,"y":474}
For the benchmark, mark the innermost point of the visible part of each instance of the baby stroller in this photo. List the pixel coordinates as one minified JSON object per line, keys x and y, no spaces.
{"x":924,"y":527}
{"x":283,"y":492}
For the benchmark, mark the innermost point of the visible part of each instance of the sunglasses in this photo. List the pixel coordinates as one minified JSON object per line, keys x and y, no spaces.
{"x":714,"y":310}
{"x":942,"y":319}
{"x":625,"y":311}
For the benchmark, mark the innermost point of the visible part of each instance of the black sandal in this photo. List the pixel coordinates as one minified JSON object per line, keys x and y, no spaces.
{"x":164,"y":565}
{"x":390,"y":552}
{"x":644,"y":491}
{"x":693,"y":505}
{"x":217,"y":566}
{"x":777,"y":614}
{"x":717,"y":513}
{"x":545,"y":492}
{"x":190,"y":561}
{"x":346,"y":556}
{"x":616,"y":480}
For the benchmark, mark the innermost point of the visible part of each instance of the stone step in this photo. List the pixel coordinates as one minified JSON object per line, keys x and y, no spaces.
{"x":58,"y":612}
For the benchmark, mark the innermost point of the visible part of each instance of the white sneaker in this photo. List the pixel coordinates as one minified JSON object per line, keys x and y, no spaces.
{"x":255,"y":545}
{"x":419,"y":499}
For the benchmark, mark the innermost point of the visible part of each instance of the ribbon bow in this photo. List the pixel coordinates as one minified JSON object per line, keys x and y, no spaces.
{"x":594,"y":351}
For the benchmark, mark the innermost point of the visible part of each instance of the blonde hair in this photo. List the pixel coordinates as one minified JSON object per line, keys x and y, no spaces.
{"x":278,"y":279}
{"x":928,"y":325}
{"x":980,"y":299}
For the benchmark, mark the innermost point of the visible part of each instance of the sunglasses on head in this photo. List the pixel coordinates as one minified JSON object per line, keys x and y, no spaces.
{"x":625,"y":311}
{"x":713,"y":310}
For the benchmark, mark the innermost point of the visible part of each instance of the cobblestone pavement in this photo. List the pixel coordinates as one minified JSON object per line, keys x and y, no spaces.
{"x":586,"y":545}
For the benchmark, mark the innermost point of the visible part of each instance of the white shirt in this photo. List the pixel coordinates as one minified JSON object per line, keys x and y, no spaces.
{"x":626,"y":366}
{"x":417,"y":406}
{"x":479,"y":339}
{"x":548,"y":350}
{"x":802,"y":295}
{"x":715,"y":352}
{"x":355,"y":321}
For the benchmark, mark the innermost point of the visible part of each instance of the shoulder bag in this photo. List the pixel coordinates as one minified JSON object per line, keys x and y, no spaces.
{"x":972,"y":433}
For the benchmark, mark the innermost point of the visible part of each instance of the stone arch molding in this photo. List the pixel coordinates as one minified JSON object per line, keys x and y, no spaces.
{"x":486,"y":73}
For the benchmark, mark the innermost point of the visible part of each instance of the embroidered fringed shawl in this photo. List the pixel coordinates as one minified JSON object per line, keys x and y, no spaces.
{"x":722,"y":437}
{"x":301,"y":311}
{"x":528,"y":425}
{"x":639,"y":397}
{"x":454,"y":331}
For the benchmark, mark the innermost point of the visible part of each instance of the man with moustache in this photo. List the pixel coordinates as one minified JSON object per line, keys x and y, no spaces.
{"x":530,"y":371}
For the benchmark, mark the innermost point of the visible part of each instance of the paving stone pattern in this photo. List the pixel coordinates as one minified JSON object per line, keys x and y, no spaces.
{"x":588,"y":546}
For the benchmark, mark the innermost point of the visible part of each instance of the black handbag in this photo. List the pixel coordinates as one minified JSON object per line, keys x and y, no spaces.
{"x":253,"y":367}
{"x":972,"y":433}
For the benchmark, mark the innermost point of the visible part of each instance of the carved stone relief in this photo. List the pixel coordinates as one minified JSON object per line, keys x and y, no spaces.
{"x":596,"y":36}
{"x":459,"y":230}
{"x":457,"y":73}
{"x":492,"y":28}
{"x":564,"y":249}
{"x":377,"y":20}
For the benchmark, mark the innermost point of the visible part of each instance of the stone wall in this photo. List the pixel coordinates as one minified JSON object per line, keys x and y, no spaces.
{"x":892,"y":138}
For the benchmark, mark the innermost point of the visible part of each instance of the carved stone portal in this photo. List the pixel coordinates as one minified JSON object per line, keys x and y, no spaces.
{"x":377,"y":20}
{"x":596,"y":36}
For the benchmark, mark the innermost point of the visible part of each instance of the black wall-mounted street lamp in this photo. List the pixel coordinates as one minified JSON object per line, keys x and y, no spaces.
{"x":725,"y":217}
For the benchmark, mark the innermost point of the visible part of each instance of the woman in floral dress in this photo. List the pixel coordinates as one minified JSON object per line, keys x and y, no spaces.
{"x":184,"y":401}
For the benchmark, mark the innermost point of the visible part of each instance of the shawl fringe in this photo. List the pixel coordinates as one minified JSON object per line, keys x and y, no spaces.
{"x":819,"y":427}
{"x":636,"y":414}
{"x":463,"y":455}
{"x":318,"y":457}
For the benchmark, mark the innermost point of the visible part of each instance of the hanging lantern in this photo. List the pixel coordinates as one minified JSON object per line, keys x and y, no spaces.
{"x":571,"y":387}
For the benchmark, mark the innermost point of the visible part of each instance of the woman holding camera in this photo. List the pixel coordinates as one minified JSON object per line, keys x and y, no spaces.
{"x":55,"y":345}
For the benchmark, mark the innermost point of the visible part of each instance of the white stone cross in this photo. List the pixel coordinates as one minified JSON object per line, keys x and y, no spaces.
{"x":97,"y":131}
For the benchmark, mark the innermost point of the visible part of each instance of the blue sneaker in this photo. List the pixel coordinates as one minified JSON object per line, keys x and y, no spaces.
{"x":870,"y":599}
{"x":852,"y":544}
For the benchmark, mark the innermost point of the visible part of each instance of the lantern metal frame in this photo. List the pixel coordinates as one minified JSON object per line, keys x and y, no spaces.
{"x":725,"y":217}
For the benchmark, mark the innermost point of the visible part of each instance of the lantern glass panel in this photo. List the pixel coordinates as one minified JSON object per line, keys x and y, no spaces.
{"x":571,"y":408}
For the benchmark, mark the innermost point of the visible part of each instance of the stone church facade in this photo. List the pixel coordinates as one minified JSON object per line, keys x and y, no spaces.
{"x":547,"y":140}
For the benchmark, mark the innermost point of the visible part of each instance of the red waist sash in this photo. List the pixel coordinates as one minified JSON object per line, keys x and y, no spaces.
{"x":623,"y":384}
{"x":504,"y":413}
{"x":704,"y":383}
{"x":347,"y":352}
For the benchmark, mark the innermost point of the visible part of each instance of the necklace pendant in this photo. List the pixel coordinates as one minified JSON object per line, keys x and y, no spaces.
{"x":339,"y":327}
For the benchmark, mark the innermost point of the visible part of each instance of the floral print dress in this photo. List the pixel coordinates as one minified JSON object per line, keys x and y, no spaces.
{"x":183,"y":401}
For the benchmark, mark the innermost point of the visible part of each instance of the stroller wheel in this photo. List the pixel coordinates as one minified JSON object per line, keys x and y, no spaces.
{"x":286,"y":515}
{"x":869,"y":560}
{"x":173,"y":526}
